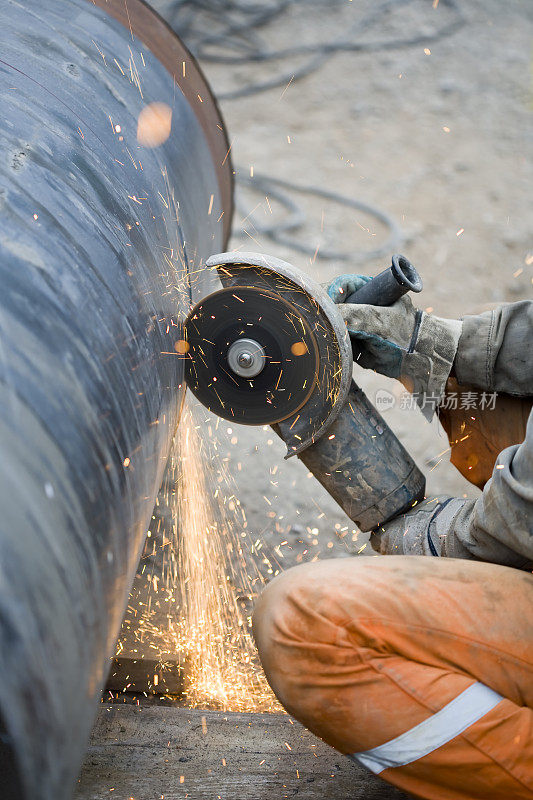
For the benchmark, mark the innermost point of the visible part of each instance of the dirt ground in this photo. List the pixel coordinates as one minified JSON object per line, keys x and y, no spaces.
{"x":440,"y":137}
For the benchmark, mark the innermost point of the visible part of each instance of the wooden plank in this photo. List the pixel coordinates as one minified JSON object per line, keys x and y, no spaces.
{"x":145,"y":675}
{"x":143,"y":661}
{"x":152,"y":752}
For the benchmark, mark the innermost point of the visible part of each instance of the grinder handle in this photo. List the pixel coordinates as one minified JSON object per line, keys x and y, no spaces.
{"x":391,"y":284}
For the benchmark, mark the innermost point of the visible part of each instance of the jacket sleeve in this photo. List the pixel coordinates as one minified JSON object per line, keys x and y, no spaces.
{"x":495,"y":354}
{"x":495,"y":350}
{"x":498,"y":526}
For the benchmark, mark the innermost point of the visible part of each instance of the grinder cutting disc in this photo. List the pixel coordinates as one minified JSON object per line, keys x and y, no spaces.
{"x":250,"y":356}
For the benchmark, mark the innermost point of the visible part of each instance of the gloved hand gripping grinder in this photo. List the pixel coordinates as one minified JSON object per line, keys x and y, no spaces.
{"x":271,"y":348}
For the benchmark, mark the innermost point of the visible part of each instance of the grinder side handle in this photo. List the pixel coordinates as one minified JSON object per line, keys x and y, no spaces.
{"x":391,"y":284}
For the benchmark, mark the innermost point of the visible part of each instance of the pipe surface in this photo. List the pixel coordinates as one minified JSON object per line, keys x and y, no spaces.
{"x":99,"y":234}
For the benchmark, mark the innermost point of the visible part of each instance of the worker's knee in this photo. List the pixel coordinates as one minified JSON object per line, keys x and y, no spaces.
{"x":309,"y":603}
{"x":300,"y":628}
{"x":280,"y":626}
{"x":319,"y":620}
{"x":283,"y":608}
{"x":276,"y":609}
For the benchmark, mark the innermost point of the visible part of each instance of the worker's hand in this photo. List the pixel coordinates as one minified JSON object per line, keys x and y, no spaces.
{"x":381,"y":334}
{"x":344,"y":285}
{"x":423,"y":531}
{"x":399,"y":341}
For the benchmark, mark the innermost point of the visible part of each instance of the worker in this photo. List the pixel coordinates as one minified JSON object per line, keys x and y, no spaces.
{"x":420,"y":667}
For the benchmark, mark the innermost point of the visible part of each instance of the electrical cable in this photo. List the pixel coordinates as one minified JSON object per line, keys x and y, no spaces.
{"x":241,"y":34}
{"x":273,"y":187}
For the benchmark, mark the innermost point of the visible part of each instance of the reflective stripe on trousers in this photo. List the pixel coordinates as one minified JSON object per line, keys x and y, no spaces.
{"x":432,"y":733}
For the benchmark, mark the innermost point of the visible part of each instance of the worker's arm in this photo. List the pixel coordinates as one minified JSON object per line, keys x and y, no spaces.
{"x":494,"y":354}
{"x":495,"y":350}
{"x":497,"y":527}
{"x":491,"y":351}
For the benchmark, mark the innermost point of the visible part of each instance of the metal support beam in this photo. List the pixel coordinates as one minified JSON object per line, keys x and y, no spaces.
{"x":99,"y":234}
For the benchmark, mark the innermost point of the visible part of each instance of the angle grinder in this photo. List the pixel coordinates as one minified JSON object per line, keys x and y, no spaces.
{"x":270,"y":347}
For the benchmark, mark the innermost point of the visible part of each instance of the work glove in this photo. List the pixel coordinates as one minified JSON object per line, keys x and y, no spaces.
{"x":400,"y":341}
{"x":426,"y":530}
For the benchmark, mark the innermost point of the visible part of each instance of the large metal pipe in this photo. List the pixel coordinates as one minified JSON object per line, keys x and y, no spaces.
{"x":99,"y":233}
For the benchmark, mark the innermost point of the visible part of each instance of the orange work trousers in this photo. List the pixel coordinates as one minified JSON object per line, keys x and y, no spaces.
{"x":419,"y":668}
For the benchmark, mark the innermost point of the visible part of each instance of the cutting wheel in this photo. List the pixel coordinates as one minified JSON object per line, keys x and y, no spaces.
{"x":250,"y":357}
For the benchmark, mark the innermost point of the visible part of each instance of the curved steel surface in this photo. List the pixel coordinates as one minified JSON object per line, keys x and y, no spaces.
{"x":98,"y":239}
{"x":156,"y":34}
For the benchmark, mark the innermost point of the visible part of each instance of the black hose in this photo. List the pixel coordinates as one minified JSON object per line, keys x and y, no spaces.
{"x":241,"y":21}
{"x":281,"y":191}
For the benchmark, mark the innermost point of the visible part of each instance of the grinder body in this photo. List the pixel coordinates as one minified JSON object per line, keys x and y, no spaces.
{"x":324,"y":418}
{"x":363,"y":465}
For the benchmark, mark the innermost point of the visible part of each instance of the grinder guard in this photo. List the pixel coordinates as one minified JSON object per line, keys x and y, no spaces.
{"x":335,"y":430}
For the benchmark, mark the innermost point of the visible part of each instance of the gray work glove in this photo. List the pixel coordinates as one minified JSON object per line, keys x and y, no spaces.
{"x":400,"y":341}
{"x":422,"y":531}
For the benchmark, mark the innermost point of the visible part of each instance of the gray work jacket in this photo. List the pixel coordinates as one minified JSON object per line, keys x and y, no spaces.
{"x":495,"y":354}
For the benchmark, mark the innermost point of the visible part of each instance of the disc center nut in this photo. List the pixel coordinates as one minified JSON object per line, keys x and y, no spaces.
{"x":246,"y":358}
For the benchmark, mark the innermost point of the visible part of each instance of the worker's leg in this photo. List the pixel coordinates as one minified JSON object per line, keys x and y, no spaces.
{"x":421,"y":668}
